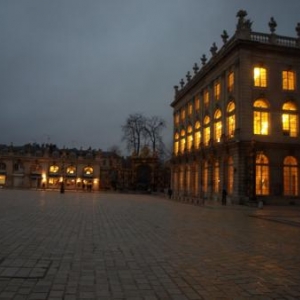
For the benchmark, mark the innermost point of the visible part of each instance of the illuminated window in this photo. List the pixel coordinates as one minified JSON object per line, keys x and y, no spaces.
{"x":54,"y":169}
{"x":176,"y":143}
{"x":262,"y":175}
{"x":260,"y":77}
{"x":190,"y":138}
{"x":206,"y":130}
{"x":197,"y":135}
{"x":289,"y":119}
{"x":288,"y":80}
{"x":190,"y":108}
{"x":261,"y":117}
{"x":197,"y":103}
{"x":290,"y":176}
{"x":88,"y":171}
{"x":218,"y":126}
{"x":2,"y":179}
{"x":177,"y":115}
{"x":230,"y":82}
{"x":182,"y":141}
{"x":216,"y":176}
{"x":205,"y":177}
{"x":71,"y":170}
{"x":230,"y":120}
{"x":217,"y":90}
{"x":206,"y":98}
{"x":230,"y":173}
{"x":183,"y":114}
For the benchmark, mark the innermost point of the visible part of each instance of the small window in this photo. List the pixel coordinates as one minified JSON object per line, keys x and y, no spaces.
{"x":288,"y":80}
{"x":260,"y":77}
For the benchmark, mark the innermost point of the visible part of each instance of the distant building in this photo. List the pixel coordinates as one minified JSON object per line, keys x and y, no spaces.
{"x":34,"y":166}
{"x":236,"y":120}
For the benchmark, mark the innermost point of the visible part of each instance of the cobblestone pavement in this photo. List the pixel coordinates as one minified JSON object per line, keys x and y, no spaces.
{"x":141,"y":247}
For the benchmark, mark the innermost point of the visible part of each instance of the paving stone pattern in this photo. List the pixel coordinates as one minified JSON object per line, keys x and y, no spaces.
{"x":142,"y":247}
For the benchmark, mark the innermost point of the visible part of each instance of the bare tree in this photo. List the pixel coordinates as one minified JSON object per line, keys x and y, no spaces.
{"x":152,"y":132}
{"x":133,"y":132}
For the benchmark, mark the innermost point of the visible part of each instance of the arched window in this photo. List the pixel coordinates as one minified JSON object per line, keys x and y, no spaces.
{"x":206,"y":130}
{"x":88,"y":171}
{"x":261,"y":117}
{"x":290,"y":176}
{"x":260,"y":77}
{"x":71,"y":170}
{"x":54,"y":169}
{"x":262,"y":175}
{"x":230,"y":119}
{"x":289,"y":119}
{"x":182,"y":141}
{"x":176,"y":143}
{"x":218,"y":125}
{"x":197,"y":135}
{"x":230,"y":175}
{"x":189,"y":138}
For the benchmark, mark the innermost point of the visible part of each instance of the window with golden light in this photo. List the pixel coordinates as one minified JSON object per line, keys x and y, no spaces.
{"x":190,"y":138}
{"x":261,"y":116}
{"x":88,"y":171}
{"x":217,"y":90}
{"x":176,"y":143}
{"x":190,"y":108}
{"x":183,"y":114}
{"x":262,"y":175}
{"x":230,"y":82}
{"x":181,"y":179}
{"x":230,"y":175}
{"x":71,"y":170}
{"x":54,"y":169}
{"x":288,"y":80}
{"x":206,"y":98}
{"x":217,"y":126}
{"x":230,"y":119}
{"x":290,"y":176}
{"x":182,"y":141}
{"x":206,"y":130}
{"x":289,"y":119}
{"x":176,"y":117}
{"x":216,"y":176}
{"x":260,"y":77}
{"x":197,"y":135}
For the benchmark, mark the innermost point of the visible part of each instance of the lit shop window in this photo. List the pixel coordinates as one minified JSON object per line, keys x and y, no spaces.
{"x":218,"y":125}
{"x":262,"y":175}
{"x":261,"y":117}
{"x":260,"y":77}
{"x":289,"y":119}
{"x":288,"y":80}
{"x":230,"y":120}
{"x":290,"y":176}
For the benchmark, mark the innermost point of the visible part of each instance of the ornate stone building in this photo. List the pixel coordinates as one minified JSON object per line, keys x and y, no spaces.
{"x":46,"y":167}
{"x":236,"y":120}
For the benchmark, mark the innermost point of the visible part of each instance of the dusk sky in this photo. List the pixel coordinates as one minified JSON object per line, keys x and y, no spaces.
{"x":72,"y":71}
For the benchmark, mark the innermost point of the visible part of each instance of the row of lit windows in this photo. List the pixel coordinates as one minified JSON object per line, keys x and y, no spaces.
{"x":191,"y":137}
{"x":71,"y":170}
{"x":262,"y":181}
{"x":288,"y":78}
{"x":259,"y":78}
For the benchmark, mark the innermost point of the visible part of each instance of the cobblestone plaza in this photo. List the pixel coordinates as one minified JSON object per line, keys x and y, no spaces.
{"x":144,"y":247}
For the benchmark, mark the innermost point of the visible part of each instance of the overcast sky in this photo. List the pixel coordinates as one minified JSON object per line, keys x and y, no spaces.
{"x":72,"y":71}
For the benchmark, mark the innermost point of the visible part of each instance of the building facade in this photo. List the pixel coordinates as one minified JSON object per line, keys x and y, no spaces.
{"x":34,"y":166}
{"x":236,"y":120}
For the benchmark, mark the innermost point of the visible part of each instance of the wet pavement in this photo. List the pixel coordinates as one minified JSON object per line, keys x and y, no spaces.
{"x":143,"y":247}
